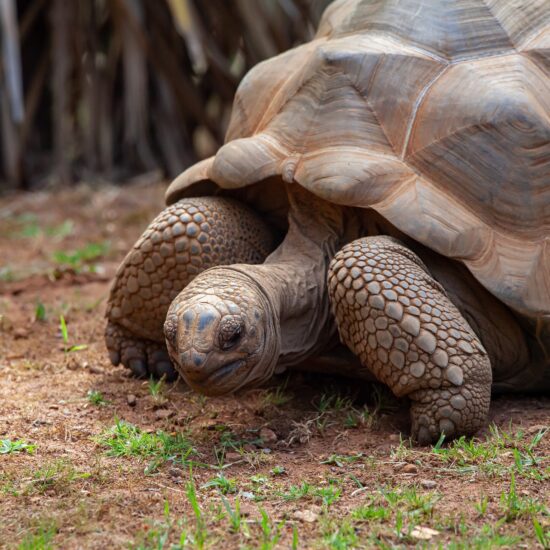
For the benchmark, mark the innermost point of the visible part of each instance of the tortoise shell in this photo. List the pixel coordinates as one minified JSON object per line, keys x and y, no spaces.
{"x":435,"y":114}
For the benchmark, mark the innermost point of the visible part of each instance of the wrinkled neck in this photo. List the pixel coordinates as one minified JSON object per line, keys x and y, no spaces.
{"x":294,"y":276}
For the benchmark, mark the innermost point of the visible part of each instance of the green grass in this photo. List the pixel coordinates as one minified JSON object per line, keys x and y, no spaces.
{"x":27,"y":226}
{"x":490,"y":456}
{"x":325,"y":495}
{"x":81,"y":259}
{"x":126,"y":440}
{"x":277,"y":397}
{"x":388,"y":517}
{"x":65,"y":335}
{"x":541,"y":534}
{"x":7,"y":446}
{"x":333,"y":402}
{"x":7,"y":275}
{"x":513,"y":506}
{"x":40,"y":311}
{"x":224,"y":484}
{"x":96,"y":398}
{"x":55,"y":476}
{"x":278,"y":470}
{"x":41,"y":538}
{"x":157,"y":390}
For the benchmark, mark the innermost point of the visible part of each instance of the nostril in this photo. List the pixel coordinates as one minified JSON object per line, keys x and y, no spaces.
{"x":192,"y":360}
{"x":198,"y":359}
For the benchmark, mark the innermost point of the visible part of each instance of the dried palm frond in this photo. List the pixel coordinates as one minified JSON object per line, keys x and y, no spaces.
{"x":116,"y":88}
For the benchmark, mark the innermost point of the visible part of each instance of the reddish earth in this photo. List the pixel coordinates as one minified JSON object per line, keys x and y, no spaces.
{"x":97,"y":501}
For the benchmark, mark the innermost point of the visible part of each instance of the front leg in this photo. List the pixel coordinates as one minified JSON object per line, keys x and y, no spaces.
{"x":183,"y":240}
{"x":400,"y":323}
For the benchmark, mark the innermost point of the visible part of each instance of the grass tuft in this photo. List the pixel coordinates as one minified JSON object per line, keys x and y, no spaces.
{"x":7,"y":446}
{"x":126,"y":440}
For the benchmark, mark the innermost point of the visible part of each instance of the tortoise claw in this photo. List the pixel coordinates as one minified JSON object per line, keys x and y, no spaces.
{"x":144,"y":358}
{"x":138,"y":368}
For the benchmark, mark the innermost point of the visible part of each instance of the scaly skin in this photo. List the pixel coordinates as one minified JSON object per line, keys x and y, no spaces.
{"x":185,"y":239}
{"x":400,"y":323}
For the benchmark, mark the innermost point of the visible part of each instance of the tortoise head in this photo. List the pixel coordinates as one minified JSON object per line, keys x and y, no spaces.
{"x":221,"y":332}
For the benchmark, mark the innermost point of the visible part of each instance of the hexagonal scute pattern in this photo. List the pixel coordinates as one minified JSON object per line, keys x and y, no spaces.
{"x":435,"y":114}
{"x":185,"y":239}
{"x":398,"y":320}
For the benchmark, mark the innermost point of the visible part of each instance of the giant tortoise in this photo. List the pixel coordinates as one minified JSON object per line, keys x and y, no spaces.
{"x":384,"y":187}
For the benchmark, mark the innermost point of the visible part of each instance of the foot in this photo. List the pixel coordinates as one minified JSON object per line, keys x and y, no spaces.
{"x":185,"y":239}
{"x":145,"y":358}
{"x":400,"y":323}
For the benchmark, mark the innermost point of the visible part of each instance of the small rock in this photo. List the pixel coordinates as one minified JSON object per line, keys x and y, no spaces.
{"x":131,"y":399}
{"x":423,"y":533}
{"x":268,"y":435}
{"x":309,"y":516}
{"x":73,"y":364}
{"x":246,"y":495}
{"x":20,"y":332}
{"x":232,"y":456}
{"x":163,"y":414}
{"x":428,"y":484}
{"x":394,"y":438}
{"x":409,"y":469}
{"x":96,"y":370}
{"x":207,"y":423}
{"x":249,"y":510}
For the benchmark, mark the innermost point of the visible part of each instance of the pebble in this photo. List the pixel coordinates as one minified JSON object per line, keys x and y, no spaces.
{"x":428,"y":484}
{"x":268,"y":435}
{"x":131,"y":399}
{"x":163,"y":414}
{"x":306,"y":515}
{"x":232,"y":456}
{"x":96,"y":370}
{"x":73,"y":364}
{"x":423,"y":533}
{"x":20,"y":333}
{"x":175,"y":472}
{"x":249,"y":510}
{"x":409,"y":469}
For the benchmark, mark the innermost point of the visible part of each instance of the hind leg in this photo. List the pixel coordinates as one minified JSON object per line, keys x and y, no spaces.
{"x":400,"y":323}
{"x":183,"y":240}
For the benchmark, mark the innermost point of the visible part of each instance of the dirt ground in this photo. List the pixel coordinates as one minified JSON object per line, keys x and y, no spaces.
{"x":308,"y":462}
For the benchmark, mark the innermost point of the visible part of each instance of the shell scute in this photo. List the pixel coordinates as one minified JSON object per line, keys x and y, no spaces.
{"x":436,"y":114}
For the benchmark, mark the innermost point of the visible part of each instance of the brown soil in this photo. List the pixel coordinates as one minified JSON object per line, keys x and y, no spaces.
{"x":44,"y":401}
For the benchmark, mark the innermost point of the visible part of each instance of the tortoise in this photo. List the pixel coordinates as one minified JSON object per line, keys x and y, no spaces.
{"x":385,"y":189}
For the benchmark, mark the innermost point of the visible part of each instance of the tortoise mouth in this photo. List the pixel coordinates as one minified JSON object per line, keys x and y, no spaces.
{"x":224,"y":371}
{"x":223,"y":379}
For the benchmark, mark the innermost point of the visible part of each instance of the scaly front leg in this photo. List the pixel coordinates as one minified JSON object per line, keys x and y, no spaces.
{"x":400,"y":323}
{"x":185,"y":239}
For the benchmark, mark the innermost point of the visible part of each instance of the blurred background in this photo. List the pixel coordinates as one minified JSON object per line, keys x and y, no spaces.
{"x":114,"y":90}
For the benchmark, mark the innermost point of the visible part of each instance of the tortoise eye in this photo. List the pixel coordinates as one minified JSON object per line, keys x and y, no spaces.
{"x":231,"y":332}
